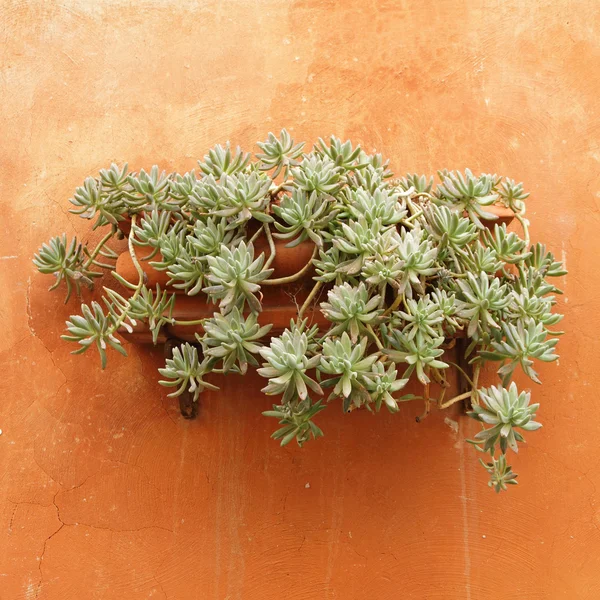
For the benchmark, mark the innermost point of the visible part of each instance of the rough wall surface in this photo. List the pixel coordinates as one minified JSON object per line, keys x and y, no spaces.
{"x":104,"y":491}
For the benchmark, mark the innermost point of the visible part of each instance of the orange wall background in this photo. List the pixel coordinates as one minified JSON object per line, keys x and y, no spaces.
{"x":105,"y":492}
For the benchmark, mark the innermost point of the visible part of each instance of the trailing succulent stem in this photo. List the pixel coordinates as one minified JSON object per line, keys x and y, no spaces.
{"x":400,"y":267}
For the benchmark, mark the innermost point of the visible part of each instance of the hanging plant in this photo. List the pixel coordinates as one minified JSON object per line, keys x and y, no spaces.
{"x":398,"y":276}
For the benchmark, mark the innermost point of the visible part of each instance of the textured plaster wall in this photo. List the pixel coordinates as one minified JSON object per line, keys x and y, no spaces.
{"x":104,"y":491}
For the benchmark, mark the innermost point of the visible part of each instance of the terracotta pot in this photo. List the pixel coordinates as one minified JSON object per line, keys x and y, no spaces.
{"x":278,"y":309}
{"x":127,"y":270}
{"x":280,"y":303}
{"x":287,"y":262}
{"x":125,"y":226}
{"x":505,"y":215}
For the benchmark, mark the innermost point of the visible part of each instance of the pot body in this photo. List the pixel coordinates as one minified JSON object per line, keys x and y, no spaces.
{"x":505,"y":216}
{"x":287,"y":262}
{"x":280,"y":303}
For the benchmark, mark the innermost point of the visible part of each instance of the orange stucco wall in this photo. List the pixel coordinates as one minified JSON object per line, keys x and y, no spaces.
{"x":104,"y":491}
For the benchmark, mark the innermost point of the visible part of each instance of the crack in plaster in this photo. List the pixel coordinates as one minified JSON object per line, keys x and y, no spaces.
{"x":64,"y":524}
{"x":41,"y":560}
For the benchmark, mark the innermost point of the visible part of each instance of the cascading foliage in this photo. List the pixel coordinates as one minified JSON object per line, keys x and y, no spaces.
{"x":403,"y":268}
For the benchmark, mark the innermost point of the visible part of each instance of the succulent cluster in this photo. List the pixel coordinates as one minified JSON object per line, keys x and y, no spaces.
{"x":402,"y":269}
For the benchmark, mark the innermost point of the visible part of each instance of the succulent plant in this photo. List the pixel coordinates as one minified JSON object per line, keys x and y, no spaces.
{"x":320,"y":175}
{"x":376,"y":162}
{"x":188,"y":271}
{"x":368,"y":178}
{"x":95,"y":328}
{"x":341,"y":154}
{"x":171,"y":245}
{"x":207,"y":197}
{"x":236,"y":276}
{"x":66,"y":262}
{"x":92,"y":201}
{"x":501,"y":474}
{"x":181,"y":187}
{"x":481,"y":300}
{"x":420,"y":183}
{"x":288,"y":359}
{"x":518,"y":346}
{"x":418,"y":254}
{"x":505,"y":410}
{"x":208,"y":237}
{"x":185,"y":372}
{"x":114,"y":182}
{"x":296,"y":420}
{"x":233,"y":339}
{"x":446,"y":303}
{"x":312,"y":334}
{"x":382,"y":383}
{"x":468,"y":193}
{"x":246,"y":196}
{"x":507,"y":246}
{"x":348,"y":366}
{"x":451,"y":229}
{"x":543,"y":262}
{"x":410,"y":278}
{"x":482,"y":259}
{"x":384,"y":269}
{"x":421,"y":354}
{"x":149,"y":191}
{"x":512,"y":194}
{"x":351,"y":309}
{"x":327,"y":266}
{"x":359,"y":240}
{"x":380,"y":204}
{"x":221,"y":161}
{"x":151,"y":229}
{"x":155,"y":309}
{"x":422,"y":319}
{"x":279,"y":153}
{"x":525,"y":306}
{"x":302,"y":217}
